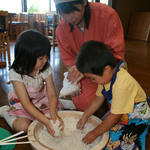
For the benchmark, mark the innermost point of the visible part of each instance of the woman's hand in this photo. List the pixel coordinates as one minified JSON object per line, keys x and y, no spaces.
{"x":81,"y":122}
{"x":77,"y":92}
{"x":74,"y":75}
{"x":89,"y":137}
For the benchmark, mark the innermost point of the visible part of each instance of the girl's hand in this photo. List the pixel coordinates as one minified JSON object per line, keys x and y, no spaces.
{"x":61,"y":125}
{"x":56,"y":117}
{"x":81,"y":122}
{"x":74,"y":75}
{"x":50,"y":128}
{"x":89,"y":137}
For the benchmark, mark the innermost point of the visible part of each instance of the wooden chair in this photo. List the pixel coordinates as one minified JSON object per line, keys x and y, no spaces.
{"x":52,"y":28}
{"x":4,"y":38}
{"x":139,"y":27}
{"x":11,"y":18}
{"x":19,"y":26}
{"x":36,"y":21}
{"x":31,"y":21}
{"x":40,"y":22}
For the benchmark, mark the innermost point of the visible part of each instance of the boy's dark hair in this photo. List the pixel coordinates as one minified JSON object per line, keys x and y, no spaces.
{"x":93,"y":57}
{"x":30,"y":45}
{"x":68,"y":7}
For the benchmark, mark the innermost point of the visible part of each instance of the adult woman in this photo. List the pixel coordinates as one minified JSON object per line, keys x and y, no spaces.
{"x":83,"y":21}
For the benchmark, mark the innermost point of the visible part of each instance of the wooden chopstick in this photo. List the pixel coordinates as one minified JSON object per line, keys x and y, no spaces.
{"x":16,"y":139}
{"x":12,"y":136}
{"x":4,"y":143}
{"x":8,"y":140}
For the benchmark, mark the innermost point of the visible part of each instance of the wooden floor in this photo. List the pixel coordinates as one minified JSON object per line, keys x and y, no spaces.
{"x":137,"y":56}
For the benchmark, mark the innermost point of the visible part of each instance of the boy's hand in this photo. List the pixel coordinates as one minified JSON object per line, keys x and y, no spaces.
{"x":89,"y":137}
{"x":81,"y":122}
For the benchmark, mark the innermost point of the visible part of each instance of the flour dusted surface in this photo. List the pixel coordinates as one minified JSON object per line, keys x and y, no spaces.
{"x":71,"y":138}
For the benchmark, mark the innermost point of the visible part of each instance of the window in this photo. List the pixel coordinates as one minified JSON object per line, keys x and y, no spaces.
{"x":41,"y":6}
{"x":101,"y":1}
{"x":52,"y":6}
{"x":104,"y":2}
{"x":11,"y":6}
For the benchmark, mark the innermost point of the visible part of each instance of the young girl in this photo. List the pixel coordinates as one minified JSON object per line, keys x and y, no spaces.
{"x":129,"y":116}
{"x":31,"y":75}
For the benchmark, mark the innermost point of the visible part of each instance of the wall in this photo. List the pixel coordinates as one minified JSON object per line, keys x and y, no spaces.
{"x":125,"y":8}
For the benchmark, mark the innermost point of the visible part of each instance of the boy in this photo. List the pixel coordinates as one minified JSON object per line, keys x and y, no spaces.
{"x":129,"y":115}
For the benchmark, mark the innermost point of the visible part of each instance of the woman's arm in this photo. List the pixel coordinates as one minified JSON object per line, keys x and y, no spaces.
{"x":115,"y":36}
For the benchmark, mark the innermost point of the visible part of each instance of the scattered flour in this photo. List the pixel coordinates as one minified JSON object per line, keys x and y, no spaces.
{"x":71,"y":138}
